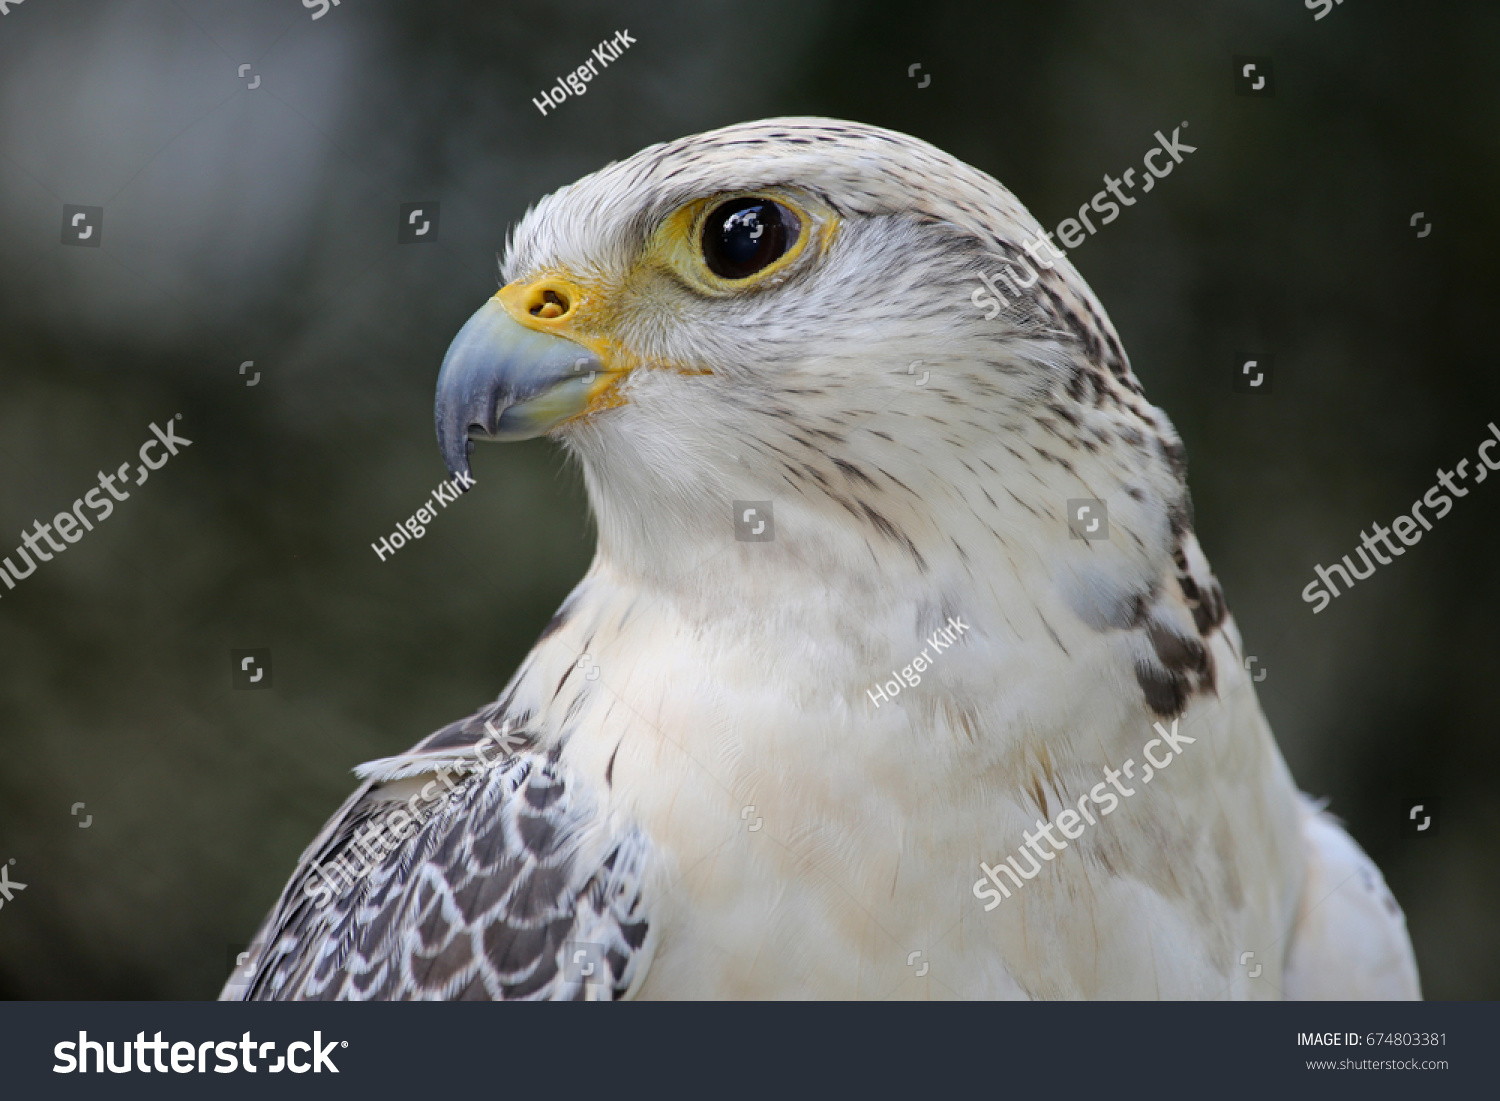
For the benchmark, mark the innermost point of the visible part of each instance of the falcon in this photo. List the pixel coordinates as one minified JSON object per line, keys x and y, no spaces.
{"x":842,"y":646}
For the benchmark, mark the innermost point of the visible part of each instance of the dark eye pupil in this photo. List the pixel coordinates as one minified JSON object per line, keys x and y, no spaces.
{"x":745,"y":235}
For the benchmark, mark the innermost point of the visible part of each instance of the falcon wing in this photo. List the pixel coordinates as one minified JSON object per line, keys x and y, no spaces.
{"x":1350,"y":940}
{"x":514,"y":887}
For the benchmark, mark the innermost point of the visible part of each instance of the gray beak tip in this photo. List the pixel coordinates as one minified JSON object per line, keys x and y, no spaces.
{"x":458,"y":463}
{"x":453,"y":437}
{"x":503,"y":381}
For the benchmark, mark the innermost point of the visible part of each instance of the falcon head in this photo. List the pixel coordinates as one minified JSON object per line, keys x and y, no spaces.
{"x":785,"y":311}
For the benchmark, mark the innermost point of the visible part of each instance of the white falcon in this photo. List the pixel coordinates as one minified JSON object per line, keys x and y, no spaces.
{"x":808,"y":454}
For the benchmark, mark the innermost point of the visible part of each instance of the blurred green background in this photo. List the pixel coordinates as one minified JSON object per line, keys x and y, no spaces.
{"x":259,"y":224}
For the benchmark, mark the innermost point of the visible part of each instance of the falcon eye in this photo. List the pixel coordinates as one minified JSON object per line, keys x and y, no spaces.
{"x":745,"y":235}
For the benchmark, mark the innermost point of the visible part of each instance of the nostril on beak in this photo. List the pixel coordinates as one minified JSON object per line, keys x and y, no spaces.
{"x":548,"y":303}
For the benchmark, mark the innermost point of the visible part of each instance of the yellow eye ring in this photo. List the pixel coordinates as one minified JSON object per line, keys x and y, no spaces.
{"x":744,"y":236}
{"x":798,"y":221}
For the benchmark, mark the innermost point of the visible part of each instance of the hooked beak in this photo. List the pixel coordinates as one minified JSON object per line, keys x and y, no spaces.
{"x":505,"y":380}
